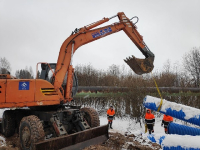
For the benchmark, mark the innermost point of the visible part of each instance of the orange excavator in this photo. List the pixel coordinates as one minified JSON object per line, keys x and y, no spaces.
{"x":41,"y":111}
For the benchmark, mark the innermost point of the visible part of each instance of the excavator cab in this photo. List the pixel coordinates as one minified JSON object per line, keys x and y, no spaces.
{"x":47,"y":74}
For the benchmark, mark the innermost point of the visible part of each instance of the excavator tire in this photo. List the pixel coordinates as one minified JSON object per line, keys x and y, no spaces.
{"x":8,"y":123}
{"x":30,"y":131}
{"x":91,"y":116}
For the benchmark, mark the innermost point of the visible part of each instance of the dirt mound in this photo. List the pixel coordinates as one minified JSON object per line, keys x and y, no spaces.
{"x":12,"y":143}
{"x":118,"y":141}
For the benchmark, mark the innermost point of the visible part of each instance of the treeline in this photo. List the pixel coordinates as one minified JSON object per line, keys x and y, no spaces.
{"x":5,"y":68}
{"x":186,"y":74}
{"x":169,"y":76}
{"x":26,"y":73}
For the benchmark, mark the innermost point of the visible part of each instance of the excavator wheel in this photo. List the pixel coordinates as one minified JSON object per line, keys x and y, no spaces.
{"x":30,"y":131}
{"x":8,"y":123}
{"x":91,"y":117}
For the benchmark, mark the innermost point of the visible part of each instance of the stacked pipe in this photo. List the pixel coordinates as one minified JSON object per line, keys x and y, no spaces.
{"x":174,"y":128}
{"x":179,"y":142}
{"x":182,"y":112}
{"x":176,"y":142}
{"x":179,"y":111}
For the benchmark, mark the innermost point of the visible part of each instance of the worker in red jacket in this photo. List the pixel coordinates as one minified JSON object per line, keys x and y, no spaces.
{"x":166,"y":120}
{"x":110,"y":116}
{"x":149,"y":121}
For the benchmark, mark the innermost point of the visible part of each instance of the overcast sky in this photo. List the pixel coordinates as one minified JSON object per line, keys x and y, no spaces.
{"x":33,"y":31}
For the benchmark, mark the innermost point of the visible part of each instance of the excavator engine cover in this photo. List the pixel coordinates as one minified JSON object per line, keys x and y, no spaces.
{"x":140,"y":66}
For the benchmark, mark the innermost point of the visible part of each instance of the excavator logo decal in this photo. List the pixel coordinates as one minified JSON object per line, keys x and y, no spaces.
{"x":23,"y":85}
{"x":101,"y":32}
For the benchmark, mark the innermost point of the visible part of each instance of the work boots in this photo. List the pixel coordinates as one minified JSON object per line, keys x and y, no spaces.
{"x":110,"y":123}
{"x":151,"y":131}
{"x":166,"y":132}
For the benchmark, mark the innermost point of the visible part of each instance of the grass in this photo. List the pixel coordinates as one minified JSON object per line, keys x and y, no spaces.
{"x":120,"y":94}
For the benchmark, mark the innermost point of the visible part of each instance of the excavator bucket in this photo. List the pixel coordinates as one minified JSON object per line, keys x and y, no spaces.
{"x":140,"y":66}
{"x":76,"y":141}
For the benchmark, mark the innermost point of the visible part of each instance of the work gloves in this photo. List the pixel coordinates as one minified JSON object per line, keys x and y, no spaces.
{"x":161,"y":124}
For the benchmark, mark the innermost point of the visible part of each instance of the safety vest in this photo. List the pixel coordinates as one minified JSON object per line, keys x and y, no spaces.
{"x":110,"y":114}
{"x":149,"y":118}
{"x":166,"y":120}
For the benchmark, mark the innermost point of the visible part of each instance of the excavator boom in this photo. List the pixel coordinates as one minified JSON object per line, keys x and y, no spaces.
{"x":88,"y":34}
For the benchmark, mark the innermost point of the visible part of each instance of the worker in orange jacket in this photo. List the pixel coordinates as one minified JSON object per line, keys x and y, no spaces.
{"x":110,"y":116}
{"x":149,"y":121}
{"x":166,"y":120}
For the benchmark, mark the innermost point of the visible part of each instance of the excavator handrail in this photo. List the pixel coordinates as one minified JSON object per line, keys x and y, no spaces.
{"x":136,"y":21}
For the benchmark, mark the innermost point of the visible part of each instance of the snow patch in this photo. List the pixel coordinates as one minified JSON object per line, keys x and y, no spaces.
{"x":185,"y":141}
{"x":2,"y":141}
{"x":165,"y":140}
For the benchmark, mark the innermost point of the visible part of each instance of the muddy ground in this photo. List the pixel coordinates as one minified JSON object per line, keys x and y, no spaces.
{"x":116,"y":141}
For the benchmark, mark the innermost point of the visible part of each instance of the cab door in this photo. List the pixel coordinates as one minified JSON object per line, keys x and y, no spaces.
{"x":2,"y":90}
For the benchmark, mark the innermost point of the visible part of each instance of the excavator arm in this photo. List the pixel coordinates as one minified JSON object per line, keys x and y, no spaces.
{"x":87,"y":34}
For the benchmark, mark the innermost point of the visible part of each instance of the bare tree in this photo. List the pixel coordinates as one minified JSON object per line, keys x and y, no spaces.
{"x":191,"y":62}
{"x":4,"y":66}
{"x":167,"y":66}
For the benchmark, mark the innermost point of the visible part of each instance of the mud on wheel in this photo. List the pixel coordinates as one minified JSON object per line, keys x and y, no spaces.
{"x":91,"y":116}
{"x":8,"y":123}
{"x":30,"y":131}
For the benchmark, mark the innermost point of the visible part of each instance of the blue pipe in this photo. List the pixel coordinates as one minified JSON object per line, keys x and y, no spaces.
{"x":153,"y":140}
{"x":166,"y":141}
{"x":179,"y":148}
{"x":179,"y":111}
{"x":174,"y":128}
